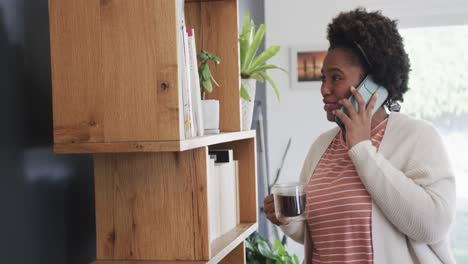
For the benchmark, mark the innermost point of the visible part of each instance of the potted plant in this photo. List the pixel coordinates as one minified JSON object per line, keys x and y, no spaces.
{"x":260,"y":251}
{"x":253,"y":66}
{"x":210,"y":107}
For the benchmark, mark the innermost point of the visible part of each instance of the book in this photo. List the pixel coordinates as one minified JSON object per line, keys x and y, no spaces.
{"x":236,"y":173}
{"x":187,"y":89}
{"x":183,"y":122}
{"x":211,"y":131}
{"x":184,"y":74}
{"x":222,"y":155}
{"x":213,"y":201}
{"x":222,"y":192}
{"x":195,"y":83}
{"x":228,"y":206}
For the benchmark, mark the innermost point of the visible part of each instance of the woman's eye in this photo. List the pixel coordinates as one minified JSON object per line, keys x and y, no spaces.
{"x":336,"y":78}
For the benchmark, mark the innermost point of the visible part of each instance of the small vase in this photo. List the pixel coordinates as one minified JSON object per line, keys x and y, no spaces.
{"x":210,"y":116}
{"x":248,"y":107}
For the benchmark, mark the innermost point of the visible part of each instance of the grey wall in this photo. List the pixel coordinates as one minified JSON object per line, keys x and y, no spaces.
{"x":46,"y":200}
{"x":257,"y":13}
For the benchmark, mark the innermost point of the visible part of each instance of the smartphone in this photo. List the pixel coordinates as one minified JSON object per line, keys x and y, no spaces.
{"x":366,"y":88}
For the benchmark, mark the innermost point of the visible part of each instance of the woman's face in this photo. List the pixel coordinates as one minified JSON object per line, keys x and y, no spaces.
{"x":339,"y":74}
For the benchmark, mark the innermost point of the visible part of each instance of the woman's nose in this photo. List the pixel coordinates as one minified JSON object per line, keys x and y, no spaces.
{"x":326,"y":89}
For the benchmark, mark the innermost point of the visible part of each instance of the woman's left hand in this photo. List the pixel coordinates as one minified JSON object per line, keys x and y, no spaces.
{"x":357,"y":124}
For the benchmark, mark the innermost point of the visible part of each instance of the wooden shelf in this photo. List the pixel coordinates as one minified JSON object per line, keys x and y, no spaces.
{"x":220,"y":247}
{"x":227,"y":242}
{"x":155,"y":146}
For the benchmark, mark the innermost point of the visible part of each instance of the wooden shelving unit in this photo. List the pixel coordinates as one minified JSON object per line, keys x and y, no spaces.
{"x":152,"y":146}
{"x":116,"y":94}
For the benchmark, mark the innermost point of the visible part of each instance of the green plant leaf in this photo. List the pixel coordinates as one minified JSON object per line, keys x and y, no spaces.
{"x":264,"y":249}
{"x":283,"y":260}
{"x":207,"y":85}
{"x":264,"y":68}
{"x":206,"y":73}
{"x":257,"y":77}
{"x":244,"y":37}
{"x":214,"y":58}
{"x":279,"y":248}
{"x":250,"y":39}
{"x":264,"y":253}
{"x":203,"y":56}
{"x":246,"y":24}
{"x":244,"y":94}
{"x":270,"y":81}
{"x":263,"y":57}
{"x":249,"y":245}
{"x":254,"y":47}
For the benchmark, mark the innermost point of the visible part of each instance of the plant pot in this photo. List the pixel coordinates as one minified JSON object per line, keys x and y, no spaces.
{"x":246,"y":106}
{"x":210,"y":116}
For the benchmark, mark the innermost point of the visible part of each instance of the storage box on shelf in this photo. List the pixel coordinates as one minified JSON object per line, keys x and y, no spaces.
{"x":117,"y":94}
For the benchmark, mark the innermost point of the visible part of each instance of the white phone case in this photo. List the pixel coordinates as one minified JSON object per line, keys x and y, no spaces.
{"x":367,"y":88}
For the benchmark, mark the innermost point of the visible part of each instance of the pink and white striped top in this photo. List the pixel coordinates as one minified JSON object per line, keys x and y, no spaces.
{"x":339,"y":208}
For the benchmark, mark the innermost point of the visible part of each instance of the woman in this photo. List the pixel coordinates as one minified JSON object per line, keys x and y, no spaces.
{"x":381,"y":189}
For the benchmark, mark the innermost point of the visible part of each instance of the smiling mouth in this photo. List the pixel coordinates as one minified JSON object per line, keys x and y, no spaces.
{"x":330,"y":107}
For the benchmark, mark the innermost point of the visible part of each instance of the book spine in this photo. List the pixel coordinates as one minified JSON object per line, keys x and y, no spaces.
{"x":213,"y":201}
{"x":228,"y":196}
{"x":186,"y":93}
{"x":195,"y":83}
{"x":181,"y":71}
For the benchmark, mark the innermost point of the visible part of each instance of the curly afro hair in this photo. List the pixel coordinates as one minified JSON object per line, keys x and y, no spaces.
{"x":375,"y":40}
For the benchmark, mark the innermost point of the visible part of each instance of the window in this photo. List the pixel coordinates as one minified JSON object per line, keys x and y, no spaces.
{"x":439,"y":93}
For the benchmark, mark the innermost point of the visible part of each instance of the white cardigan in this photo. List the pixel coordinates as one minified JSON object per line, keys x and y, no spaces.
{"x":412,"y":187}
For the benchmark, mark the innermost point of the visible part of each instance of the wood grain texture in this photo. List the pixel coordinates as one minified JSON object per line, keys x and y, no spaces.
{"x":245,"y":153}
{"x":144,"y":205}
{"x":200,"y":204}
{"x":109,"y":59}
{"x":139,"y":48}
{"x":222,"y":248}
{"x":237,"y":256}
{"x":76,"y":73}
{"x":153,"y":206}
{"x":155,"y":146}
{"x":224,"y":245}
{"x":216,"y":25}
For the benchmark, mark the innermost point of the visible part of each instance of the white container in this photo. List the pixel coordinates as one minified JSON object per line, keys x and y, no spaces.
{"x":246,"y":106}
{"x":210,"y":116}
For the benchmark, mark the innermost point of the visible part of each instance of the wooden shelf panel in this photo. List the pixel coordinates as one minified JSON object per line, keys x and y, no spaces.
{"x":155,"y":146}
{"x":220,"y":247}
{"x":223,"y":245}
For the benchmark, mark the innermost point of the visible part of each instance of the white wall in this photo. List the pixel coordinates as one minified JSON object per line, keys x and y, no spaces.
{"x":300,"y":114}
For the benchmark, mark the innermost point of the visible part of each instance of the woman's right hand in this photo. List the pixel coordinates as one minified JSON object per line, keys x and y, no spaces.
{"x":269,"y":209}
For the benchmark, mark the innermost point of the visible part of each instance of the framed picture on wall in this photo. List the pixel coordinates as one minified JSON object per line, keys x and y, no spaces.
{"x":306,"y":66}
